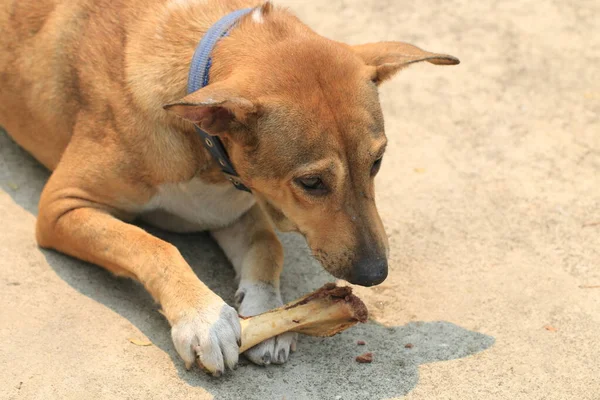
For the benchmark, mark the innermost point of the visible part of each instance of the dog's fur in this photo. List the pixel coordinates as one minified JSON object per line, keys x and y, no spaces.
{"x":96,"y":91}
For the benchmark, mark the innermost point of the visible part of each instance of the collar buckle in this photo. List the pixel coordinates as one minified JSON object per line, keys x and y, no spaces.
{"x":235,"y":180}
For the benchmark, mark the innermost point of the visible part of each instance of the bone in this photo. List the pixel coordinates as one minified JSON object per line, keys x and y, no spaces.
{"x":324,"y":312}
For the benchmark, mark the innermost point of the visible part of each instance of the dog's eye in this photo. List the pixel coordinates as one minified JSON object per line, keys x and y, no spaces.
{"x":376,"y":166}
{"x":312,"y":184}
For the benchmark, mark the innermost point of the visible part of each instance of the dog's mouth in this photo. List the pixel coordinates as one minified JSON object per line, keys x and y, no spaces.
{"x":335,"y":265}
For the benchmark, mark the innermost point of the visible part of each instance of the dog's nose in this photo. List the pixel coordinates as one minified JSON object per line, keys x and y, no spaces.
{"x":370,"y":272}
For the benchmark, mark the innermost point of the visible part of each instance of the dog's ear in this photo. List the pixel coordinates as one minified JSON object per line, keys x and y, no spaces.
{"x":214,"y":108}
{"x":390,"y":57}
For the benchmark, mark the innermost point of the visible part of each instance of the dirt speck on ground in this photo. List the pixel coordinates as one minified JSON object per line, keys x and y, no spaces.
{"x":365,"y":358}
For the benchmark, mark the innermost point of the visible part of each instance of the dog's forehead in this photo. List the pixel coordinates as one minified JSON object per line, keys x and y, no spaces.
{"x":293,"y":134}
{"x":325,"y":83}
{"x":298,"y":65}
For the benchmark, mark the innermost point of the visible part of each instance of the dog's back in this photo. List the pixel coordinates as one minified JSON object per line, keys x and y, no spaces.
{"x":36,"y":106}
{"x":55,"y":58}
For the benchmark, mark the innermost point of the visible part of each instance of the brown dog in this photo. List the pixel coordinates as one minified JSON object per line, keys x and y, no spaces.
{"x":82,"y":88}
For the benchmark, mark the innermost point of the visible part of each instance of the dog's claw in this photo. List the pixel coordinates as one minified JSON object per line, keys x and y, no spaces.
{"x":239,"y":297}
{"x":267,"y":359}
{"x":202,"y":367}
{"x":281,"y":357}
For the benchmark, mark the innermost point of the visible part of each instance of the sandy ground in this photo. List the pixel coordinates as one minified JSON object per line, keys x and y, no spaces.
{"x":490,"y":193}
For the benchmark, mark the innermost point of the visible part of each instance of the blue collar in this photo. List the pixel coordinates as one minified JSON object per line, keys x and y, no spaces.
{"x":198,"y":78}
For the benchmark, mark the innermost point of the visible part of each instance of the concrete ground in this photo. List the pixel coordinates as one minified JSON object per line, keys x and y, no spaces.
{"x":490,"y":192}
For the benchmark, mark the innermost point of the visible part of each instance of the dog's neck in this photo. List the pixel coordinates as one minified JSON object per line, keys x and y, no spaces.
{"x":163,"y":43}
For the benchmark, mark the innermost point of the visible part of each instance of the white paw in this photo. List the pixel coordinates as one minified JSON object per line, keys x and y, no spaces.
{"x":273,"y":351}
{"x":211,"y":336}
{"x":257,"y":298}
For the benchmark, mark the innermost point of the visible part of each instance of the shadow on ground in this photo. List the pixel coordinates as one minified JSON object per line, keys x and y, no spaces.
{"x":320,"y":366}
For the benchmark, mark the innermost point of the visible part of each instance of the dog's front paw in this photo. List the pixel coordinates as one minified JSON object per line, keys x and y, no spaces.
{"x":257,"y":298}
{"x":209,"y":334}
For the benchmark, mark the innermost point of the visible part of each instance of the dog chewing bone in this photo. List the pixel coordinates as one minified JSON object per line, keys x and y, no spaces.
{"x":324,"y":312}
{"x":97,"y":91}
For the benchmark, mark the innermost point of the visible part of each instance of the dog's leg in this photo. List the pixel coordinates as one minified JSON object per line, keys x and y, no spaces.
{"x":257,"y":256}
{"x":73,"y":221}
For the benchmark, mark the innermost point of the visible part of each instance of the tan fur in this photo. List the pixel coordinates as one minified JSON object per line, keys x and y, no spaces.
{"x":82,"y":88}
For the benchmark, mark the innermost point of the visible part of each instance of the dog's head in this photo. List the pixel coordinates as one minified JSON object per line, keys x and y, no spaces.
{"x":301,"y":120}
